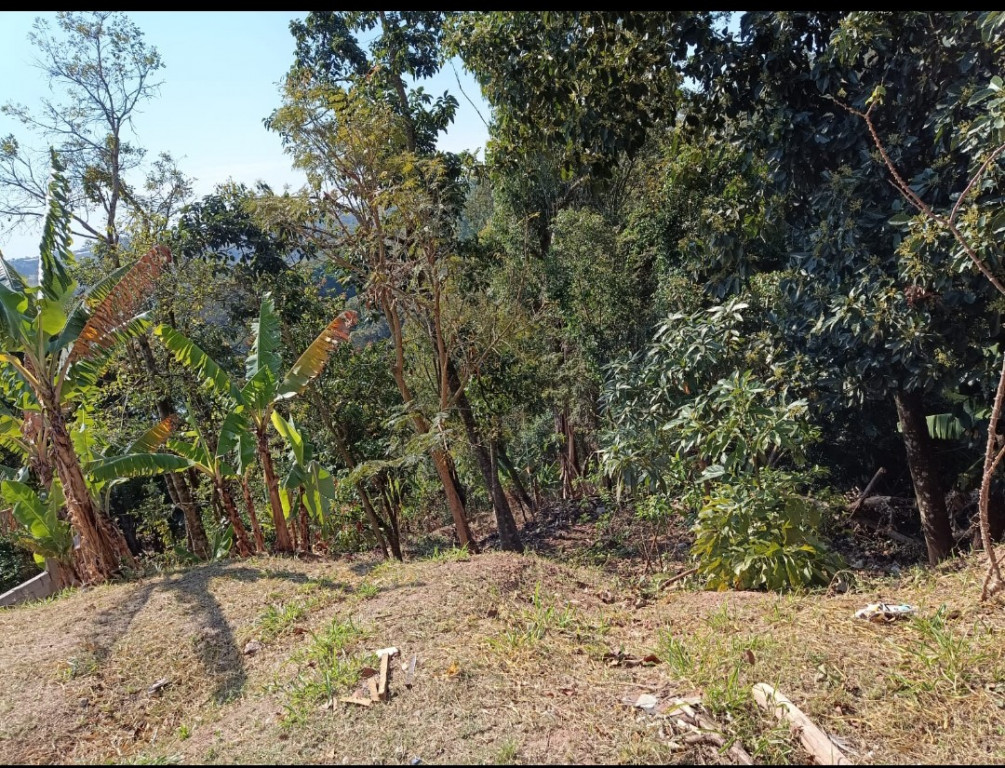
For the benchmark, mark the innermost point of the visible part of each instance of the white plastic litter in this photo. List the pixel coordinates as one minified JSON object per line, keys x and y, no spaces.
{"x":883,"y":612}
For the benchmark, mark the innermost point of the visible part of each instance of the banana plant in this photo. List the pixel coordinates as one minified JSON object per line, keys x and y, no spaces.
{"x":308,"y":482}
{"x":57,"y":339}
{"x":264,"y":386}
{"x":142,"y":459}
{"x":43,"y":532}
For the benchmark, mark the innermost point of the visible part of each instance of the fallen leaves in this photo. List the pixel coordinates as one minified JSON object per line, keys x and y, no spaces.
{"x":622,"y":659}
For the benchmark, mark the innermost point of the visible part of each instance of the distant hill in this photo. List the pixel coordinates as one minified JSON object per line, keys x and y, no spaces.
{"x":27,"y":268}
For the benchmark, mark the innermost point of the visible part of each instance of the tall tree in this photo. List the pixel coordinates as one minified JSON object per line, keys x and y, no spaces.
{"x":402,"y":198}
{"x":102,"y":70}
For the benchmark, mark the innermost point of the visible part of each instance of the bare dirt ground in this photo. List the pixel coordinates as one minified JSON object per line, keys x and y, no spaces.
{"x":239,"y":661}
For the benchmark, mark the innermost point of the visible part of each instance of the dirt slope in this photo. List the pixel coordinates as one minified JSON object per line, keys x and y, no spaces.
{"x":510,"y":667}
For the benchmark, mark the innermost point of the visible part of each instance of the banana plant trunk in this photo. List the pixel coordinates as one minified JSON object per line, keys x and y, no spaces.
{"x":102,"y":545}
{"x":283,"y":542}
{"x":305,"y":526}
{"x":249,"y":502}
{"x":240,"y":532}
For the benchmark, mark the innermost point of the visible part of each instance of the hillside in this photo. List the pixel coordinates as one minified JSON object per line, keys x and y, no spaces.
{"x":510,"y":666}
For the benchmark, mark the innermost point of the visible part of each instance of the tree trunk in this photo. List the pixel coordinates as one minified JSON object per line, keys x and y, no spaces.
{"x":511,"y":541}
{"x":452,"y":487}
{"x":928,"y":487}
{"x":509,"y":536}
{"x":567,"y":455}
{"x":514,"y":476}
{"x":371,"y":516}
{"x":102,"y":546}
{"x":391,"y":512}
{"x":177,"y":485}
{"x":195,"y":530}
{"x":350,"y":462}
{"x":283,"y":542}
{"x":240,"y":532}
{"x":444,"y":468}
{"x":250,"y":504}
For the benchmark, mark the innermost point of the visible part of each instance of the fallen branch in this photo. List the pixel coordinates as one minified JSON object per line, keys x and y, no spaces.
{"x":714,"y":733}
{"x":679,"y":576}
{"x":815,"y":741}
{"x":889,"y":532}
{"x":853,"y":507}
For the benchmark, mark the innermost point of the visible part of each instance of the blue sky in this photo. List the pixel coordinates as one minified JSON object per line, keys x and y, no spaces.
{"x":219,"y":82}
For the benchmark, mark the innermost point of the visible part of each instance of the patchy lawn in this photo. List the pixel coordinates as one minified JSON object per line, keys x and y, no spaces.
{"x":239,"y":662}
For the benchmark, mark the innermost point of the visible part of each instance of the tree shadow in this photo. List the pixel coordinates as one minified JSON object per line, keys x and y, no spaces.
{"x":216,"y":645}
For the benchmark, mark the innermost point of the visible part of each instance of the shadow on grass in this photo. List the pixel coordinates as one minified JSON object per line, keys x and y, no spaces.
{"x":217,"y":647}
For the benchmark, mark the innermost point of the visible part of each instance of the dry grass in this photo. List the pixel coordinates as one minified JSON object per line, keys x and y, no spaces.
{"x":510,"y":666}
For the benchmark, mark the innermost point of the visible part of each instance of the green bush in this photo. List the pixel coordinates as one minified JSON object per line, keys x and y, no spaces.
{"x":762,"y":535}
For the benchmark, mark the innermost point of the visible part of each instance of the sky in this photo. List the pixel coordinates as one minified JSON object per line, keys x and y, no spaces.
{"x":220,"y":80}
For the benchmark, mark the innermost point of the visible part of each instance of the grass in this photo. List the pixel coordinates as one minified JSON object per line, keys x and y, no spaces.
{"x":508,"y":752}
{"x":329,"y":667}
{"x":81,"y":664}
{"x":527,"y":627}
{"x":280,"y":619}
{"x":450,"y":555}
{"x":716,"y":661}
{"x":510,"y":668}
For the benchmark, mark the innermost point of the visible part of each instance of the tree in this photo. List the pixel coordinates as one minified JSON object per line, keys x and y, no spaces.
{"x":57,"y":341}
{"x":334,"y":120}
{"x":877,"y":328}
{"x":973,"y":225}
{"x":141,"y":459}
{"x":104,"y":70}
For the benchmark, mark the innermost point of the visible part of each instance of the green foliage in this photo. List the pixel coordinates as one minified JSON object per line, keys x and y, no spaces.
{"x":762,"y":535}
{"x":684,"y":425}
{"x":595,"y":81}
{"x":44,"y":533}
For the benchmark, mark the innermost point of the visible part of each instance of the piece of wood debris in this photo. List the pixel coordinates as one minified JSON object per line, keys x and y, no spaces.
{"x":159,"y":685}
{"x":410,"y":673}
{"x":815,"y":741}
{"x":678,"y":577}
{"x":371,"y":683}
{"x":354,"y":700}
{"x":385,"y":659}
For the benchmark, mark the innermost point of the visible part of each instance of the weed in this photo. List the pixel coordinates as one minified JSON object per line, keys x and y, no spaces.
{"x":335,"y":668}
{"x":452,"y":555}
{"x":184,"y":732}
{"x":714,"y":661}
{"x":81,"y":664}
{"x":367,"y":590}
{"x":944,"y":659}
{"x":507,"y":753}
{"x":529,"y":626}
{"x":277,"y":620}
